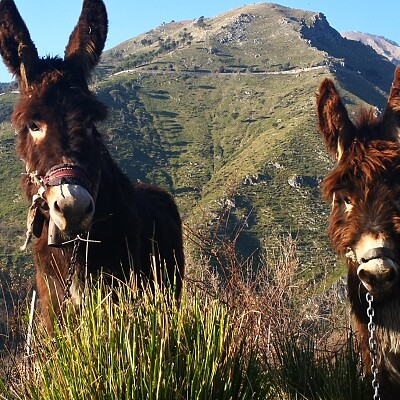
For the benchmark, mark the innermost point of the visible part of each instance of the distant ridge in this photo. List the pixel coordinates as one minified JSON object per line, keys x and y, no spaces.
{"x":383,"y":46}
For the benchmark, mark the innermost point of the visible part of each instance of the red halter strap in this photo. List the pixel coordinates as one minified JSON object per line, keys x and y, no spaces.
{"x":66,"y":174}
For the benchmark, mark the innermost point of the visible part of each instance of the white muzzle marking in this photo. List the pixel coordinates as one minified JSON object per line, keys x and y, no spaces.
{"x":378,"y":275}
{"x":71,"y":207}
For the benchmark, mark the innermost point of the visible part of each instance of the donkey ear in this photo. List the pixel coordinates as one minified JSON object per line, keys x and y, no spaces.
{"x":391,"y":115}
{"x":16,"y":47}
{"x":333,"y":120}
{"x":88,"y":38}
{"x":394,"y":96}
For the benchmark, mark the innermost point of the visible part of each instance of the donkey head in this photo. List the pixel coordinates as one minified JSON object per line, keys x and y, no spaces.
{"x":55,"y":115}
{"x":364,"y":187}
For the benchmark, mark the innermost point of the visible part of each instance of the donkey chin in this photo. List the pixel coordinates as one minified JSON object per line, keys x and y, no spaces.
{"x":378,"y":272}
{"x":71,"y":209}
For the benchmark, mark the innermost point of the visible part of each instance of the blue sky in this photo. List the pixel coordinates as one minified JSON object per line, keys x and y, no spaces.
{"x":51,"y":22}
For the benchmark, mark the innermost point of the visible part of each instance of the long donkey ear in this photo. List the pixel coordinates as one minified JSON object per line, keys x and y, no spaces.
{"x":88,"y":38}
{"x":394,"y":96}
{"x":16,"y":47}
{"x":333,"y":120}
{"x":391,"y":116}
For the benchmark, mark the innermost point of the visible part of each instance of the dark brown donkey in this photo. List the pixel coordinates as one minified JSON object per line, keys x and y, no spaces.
{"x":364,"y":226}
{"x":76,"y":189}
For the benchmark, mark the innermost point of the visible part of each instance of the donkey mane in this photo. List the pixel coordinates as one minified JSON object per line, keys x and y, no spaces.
{"x":366,"y":118}
{"x":371,"y":126}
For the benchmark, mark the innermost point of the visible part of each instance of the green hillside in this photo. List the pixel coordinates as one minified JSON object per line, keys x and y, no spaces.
{"x":221,"y":111}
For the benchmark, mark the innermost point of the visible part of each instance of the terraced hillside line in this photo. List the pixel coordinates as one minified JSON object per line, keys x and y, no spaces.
{"x":293,"y":71}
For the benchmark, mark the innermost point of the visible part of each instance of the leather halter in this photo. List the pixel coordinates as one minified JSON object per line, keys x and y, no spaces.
{"x":63,"y":174}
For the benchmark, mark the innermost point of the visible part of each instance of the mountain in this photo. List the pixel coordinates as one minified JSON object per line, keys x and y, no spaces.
{"x":221,"y":111}
{"x":385,"y":47}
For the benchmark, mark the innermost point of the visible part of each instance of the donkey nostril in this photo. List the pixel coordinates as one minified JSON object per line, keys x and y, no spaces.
{"x":367,"y":277}
{"x":378,"y":278}
{"x":57,"y":207}
{"x":372,"y":281}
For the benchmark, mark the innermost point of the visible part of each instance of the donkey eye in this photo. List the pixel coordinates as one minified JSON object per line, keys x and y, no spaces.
{"x":37,"y":130}
{"x":348,"y":204}
{"x":33,"y":127}
{"x":347,"y":201}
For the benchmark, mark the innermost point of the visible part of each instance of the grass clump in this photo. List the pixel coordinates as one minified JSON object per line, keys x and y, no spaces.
{"x":299,"y":369}
{"x":127,"y":345}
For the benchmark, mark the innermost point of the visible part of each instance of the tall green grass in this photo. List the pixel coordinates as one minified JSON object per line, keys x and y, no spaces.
{"x":242,"y":334}
{"x":130,"y":345}
{"x":144,"y":345}
{"x":232,"y":335}
{"x":301,"y":370}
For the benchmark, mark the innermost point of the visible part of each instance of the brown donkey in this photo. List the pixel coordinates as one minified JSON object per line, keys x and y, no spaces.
{"x":364,"y":225}
{"x":86,"y":214}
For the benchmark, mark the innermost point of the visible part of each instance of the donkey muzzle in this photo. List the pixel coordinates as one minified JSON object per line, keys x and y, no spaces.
{"x":71,"y":209}
{"x":71,"y":206}
{"x":378,"y":271}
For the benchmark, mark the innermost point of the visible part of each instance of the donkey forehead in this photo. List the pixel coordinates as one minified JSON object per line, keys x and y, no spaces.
{"x":361,"y":177}
{"x":378,"y":158}
{"x":57,"y":100}
{"x":364,"y":178}
{"x":54,"y":86}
